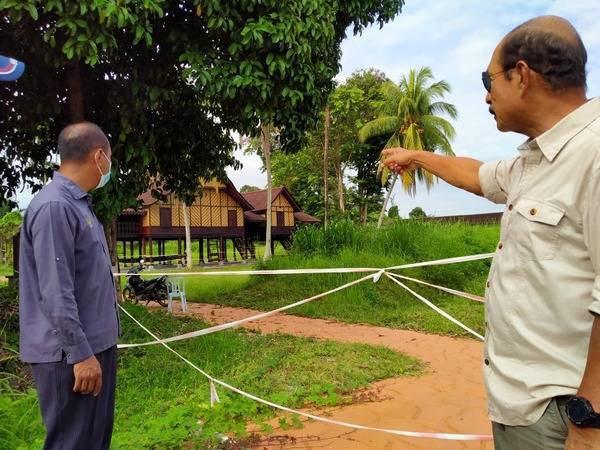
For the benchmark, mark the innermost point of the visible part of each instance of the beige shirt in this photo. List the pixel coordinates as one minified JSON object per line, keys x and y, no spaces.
{"x":544,"y":283}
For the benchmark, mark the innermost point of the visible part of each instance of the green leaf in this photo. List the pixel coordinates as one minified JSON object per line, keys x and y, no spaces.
{"x":32,"y":11}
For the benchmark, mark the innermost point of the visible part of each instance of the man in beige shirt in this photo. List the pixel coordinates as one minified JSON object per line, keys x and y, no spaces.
{"x":542,"y":353}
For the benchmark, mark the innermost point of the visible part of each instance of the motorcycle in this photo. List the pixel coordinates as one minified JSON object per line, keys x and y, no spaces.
{"x":138,"y":289}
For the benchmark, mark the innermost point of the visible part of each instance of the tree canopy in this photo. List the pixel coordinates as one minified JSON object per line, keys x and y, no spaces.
{"x":167,"y":80}
{"x":116,"y":64}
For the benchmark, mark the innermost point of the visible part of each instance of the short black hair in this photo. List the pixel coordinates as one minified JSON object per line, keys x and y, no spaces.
{"x":558,"y":57}
{"x":75,"y":141}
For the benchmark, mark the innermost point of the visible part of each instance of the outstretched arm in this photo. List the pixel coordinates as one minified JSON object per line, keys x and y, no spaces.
{"x":458,"y":171}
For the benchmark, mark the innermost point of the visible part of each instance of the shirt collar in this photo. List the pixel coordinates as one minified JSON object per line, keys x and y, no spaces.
{"x":553,"y":141}
{"x":75,"y":191}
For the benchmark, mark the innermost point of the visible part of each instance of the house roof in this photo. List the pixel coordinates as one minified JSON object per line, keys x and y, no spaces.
{"x":148,"y":199}
{"x":253,"y":217}
{"x":258,"y":199}
{"x":302,"y":217}
{"x":133,"y":212}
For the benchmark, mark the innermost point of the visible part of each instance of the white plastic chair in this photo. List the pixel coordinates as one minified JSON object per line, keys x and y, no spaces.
{"x":176,"y":289}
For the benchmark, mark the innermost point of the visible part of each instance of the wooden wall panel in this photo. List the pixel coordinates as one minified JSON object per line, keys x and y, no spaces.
{"x":289,"y":218}
{"x":210,"y":210}
{"x":155,"y":215}
{"x":205,"y":214}
{"x":195,"y":216}
{"x":146,"y":219}
{"x":177,"y":214}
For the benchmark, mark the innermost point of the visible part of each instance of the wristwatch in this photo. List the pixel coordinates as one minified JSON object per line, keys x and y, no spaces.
{"x":581,"y":413}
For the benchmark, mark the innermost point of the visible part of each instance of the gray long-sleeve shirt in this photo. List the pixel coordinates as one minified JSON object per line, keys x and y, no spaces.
{"x":67,"y":298}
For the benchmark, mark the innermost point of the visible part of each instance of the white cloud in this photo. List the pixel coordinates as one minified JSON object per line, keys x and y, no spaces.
{"x":251,"y":172}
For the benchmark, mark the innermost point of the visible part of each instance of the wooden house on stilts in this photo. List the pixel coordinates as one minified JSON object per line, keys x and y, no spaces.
{"x":222,"y":221}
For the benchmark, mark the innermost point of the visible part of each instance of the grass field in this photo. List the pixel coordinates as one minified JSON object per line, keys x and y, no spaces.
{"x":384,"y":303}
{"x":162,"y":403}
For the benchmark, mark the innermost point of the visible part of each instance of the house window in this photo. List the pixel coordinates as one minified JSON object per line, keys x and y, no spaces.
{"x":280,"y":219}
{"x":165,"y":217}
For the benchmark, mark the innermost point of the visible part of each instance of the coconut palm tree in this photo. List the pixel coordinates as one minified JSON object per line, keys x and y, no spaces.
{"x":410,"y":116}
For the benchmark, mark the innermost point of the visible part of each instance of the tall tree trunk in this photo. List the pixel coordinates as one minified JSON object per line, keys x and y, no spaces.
{"x":188,"y":236}
{"x":339,"y":173}
{"x":110,"y":232}
{"x":326,"y":165}
{"x":387,"y":199}
{"x":363,"y":213}
{"x":75,"y":95}
{"x":265,"y":138}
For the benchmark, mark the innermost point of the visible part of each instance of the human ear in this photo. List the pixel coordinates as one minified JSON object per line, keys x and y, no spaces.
{"x":525,"y":76}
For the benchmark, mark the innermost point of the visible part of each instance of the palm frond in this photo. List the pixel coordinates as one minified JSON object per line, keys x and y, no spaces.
{"x":431,"y":121}
{"x":443,"y":108}
{"x":381,"y":126}
{"x":417,"y":104}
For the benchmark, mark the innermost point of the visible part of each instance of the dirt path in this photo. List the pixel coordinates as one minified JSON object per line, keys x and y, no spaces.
{"x":448,"y":398}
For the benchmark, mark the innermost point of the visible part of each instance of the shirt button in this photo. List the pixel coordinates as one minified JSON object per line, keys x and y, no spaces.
{"x":486,"y":361}
{"x":533,"y":211}
{"x":500,"y":246}
{"x":510,"y":207}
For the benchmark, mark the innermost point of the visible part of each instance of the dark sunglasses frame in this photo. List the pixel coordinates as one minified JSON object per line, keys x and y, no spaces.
{"x":487,"y":79}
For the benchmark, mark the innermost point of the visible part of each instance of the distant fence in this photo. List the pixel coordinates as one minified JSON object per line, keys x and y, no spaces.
{"x":486,"y":218}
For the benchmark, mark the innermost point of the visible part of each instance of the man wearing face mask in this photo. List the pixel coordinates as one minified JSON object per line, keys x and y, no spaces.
{"x":68,"y":312}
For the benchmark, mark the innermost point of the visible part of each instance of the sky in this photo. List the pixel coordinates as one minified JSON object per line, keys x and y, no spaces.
{"x":456,"y":40}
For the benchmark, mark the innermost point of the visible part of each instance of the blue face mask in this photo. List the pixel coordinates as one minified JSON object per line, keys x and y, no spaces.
{"x":104,"y":177}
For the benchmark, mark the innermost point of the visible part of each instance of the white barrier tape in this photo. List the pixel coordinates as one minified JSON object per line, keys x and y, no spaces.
{"x":214,"y":396}
{"x":436,"y":262}
{"x":474,"y":297}
{"x":435,"y":308}
{"x":377,"y":276}
{"x":457,"y":259}
{"x":417,"y":434}
{"x":237,"y":323}
{"x":252,"y":272}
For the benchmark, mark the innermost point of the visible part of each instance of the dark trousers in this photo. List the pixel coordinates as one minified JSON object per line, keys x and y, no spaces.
{"x":76,"y":421}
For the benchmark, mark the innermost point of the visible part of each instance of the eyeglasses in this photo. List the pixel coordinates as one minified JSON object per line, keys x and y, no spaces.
{"x":487,"y":79}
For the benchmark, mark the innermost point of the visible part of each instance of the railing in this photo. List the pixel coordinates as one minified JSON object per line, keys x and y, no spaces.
{"x":128,"y":229}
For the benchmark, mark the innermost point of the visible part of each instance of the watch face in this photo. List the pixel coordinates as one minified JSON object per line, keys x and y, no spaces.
{"x":578,"y":410}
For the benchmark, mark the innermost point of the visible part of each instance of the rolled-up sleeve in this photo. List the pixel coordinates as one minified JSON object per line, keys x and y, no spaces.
{"x":53,"y":242}
{"x":494,"y":179}
{"x":591,"y":234}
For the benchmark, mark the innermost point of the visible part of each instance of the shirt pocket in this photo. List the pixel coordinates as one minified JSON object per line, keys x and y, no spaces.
{"x":537,"y":229}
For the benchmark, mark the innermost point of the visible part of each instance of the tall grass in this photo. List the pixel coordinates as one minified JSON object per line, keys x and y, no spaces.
{"x":345,"y":244}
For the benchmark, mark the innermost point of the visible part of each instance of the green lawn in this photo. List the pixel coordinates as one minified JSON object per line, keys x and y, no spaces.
{"x":384,"y":303}
{"x":6,"y":270}
{"x":162,"y":403}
